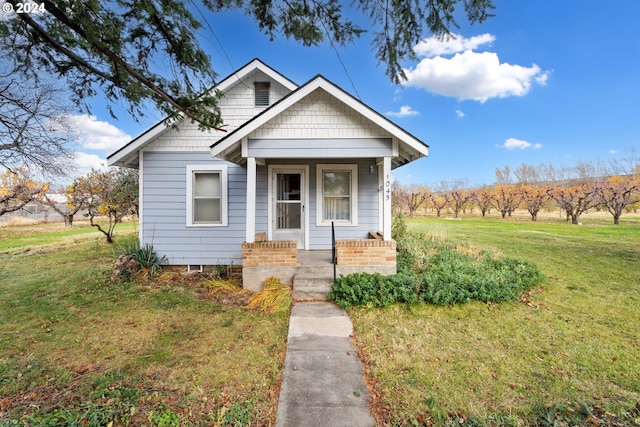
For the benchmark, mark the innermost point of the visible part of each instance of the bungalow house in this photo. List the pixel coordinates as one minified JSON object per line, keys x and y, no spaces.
{"x":295,"y":163}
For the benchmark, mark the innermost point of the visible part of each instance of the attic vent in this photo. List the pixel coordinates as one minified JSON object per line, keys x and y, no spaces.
{"x":261,"y":91}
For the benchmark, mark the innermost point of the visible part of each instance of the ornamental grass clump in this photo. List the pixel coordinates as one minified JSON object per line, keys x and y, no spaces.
{"x":273,"y":298}
{"x":226,"y":286}
{"x":146,"y":256}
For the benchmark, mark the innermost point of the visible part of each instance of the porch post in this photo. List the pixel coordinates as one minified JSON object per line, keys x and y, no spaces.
{"x":251,"y":200}
{"x":386,"y":198}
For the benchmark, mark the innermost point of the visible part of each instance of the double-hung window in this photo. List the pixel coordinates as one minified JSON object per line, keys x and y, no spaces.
{"x":337,"y":194}
{"x":206,"y":195}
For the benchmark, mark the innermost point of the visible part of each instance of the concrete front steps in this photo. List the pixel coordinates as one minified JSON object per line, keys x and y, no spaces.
{"x":314,"y":276}
{"x":312,"y":283}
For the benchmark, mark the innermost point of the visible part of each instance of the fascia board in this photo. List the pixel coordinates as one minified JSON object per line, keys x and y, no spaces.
{"x":251,"y":67}
{"x":137,"y":143}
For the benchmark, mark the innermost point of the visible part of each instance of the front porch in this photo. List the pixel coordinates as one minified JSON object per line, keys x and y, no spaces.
{"x":311,"y":272}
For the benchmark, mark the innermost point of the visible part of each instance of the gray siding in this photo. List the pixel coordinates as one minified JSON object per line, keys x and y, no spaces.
{"x":164,"y":212}
{"x":164,"y":209}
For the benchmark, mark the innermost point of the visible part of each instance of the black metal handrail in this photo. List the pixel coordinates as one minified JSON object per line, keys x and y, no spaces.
{"x":334,"y":254}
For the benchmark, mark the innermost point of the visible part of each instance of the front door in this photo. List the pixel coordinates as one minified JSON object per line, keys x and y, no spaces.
{"x":288,"y":216}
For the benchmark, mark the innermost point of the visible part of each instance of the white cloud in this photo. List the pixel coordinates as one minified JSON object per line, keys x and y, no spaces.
{"x":84,"y":162}
{"x":405,"y":111}
{"x":468,"y":74}
{"x":542,"y":78}
{"x":460,"y":113}
{"x":97,"y":134}
{"x":513,"y":143}
{"x":433,"y":46}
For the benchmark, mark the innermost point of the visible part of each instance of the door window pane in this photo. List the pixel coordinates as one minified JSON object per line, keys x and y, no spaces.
{"x":288,"y":203}
{"x":289,"y":216}
{"x":288,"y":186}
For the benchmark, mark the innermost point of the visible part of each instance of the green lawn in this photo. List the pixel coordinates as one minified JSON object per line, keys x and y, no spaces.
{"x":575,"y":340}
{"x":44,"y":235}
{"x":75,"y":348}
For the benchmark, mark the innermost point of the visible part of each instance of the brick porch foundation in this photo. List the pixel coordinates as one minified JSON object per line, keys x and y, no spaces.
{"x":278,"y":253}
{"x":279,"y":259}
{"x":366,"y":252}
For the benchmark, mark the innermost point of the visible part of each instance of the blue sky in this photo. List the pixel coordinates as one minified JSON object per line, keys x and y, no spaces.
{"x":541,"y":82}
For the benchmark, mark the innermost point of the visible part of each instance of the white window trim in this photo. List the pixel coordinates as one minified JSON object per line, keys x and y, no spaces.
{"x":320,"y":168}
{"x":224,"y":201}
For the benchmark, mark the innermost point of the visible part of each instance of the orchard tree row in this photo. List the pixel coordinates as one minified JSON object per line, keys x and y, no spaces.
{"x":105,"y":197}
{"x":575,"y":190}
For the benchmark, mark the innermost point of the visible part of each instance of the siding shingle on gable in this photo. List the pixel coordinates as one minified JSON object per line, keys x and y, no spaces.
{"x":237,"y":106}
{"x":320,"y":115}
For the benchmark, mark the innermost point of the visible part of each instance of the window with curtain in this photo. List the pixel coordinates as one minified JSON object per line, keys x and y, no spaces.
{"x":336,"y":191}
{"x":337,"y":195}
{"x":206,"y":196}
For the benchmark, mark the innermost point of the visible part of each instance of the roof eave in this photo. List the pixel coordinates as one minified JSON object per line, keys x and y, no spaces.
{"x":230,"y":143}
{"x":118,"y":157}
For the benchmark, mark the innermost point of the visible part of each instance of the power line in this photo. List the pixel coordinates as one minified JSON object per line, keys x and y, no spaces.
{"x":344,"y":67}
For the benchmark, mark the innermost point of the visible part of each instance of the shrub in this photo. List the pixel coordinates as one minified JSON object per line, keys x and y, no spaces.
{"x":215,"y":286}
{"x":439,"y":272}
{"x":374,"y":289}
{"x":146,"y":256}
{"x":360,"y":289}
{"x":399,"y":227}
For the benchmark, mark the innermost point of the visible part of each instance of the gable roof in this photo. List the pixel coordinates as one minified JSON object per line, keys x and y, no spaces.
{"x":128,"y":154}
{"x":409,"y":147}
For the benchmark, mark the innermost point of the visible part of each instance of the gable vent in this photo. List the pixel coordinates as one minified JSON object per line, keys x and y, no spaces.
{"x":261,"y":91}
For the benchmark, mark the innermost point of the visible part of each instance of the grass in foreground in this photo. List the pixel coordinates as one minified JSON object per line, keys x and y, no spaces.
{"x":74,"y":348}
{"x":42,"y":236}
{"x":569,"y":351}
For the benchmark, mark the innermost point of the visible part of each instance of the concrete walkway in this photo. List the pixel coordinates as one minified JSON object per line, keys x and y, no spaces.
{"x":323,"y":381}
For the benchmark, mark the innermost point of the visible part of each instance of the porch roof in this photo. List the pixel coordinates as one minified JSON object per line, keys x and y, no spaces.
{"x":406,"y":147}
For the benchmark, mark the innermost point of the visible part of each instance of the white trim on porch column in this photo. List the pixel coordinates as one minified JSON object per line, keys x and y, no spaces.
{"x":251,"y":200}
{"x":386,"y":198}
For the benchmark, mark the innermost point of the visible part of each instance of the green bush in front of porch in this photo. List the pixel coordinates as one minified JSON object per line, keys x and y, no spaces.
{"x":438,"y":270}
